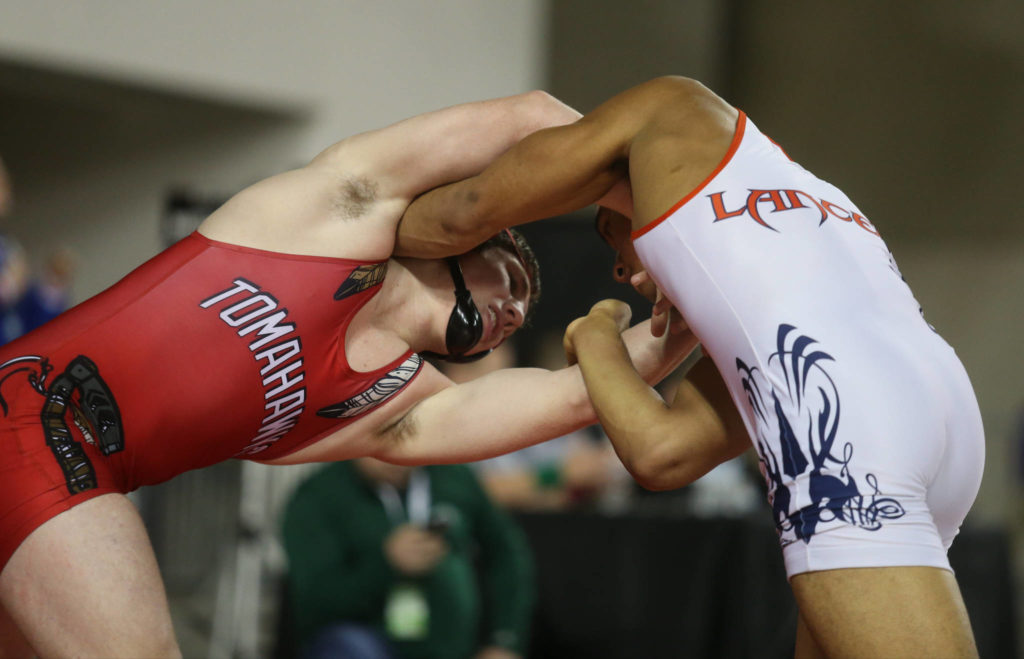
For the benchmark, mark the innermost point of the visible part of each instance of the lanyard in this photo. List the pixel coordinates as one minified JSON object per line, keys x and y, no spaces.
{"x":417,"y":499}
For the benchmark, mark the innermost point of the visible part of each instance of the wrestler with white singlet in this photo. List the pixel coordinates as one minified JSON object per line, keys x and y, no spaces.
{"x":864,"y":420}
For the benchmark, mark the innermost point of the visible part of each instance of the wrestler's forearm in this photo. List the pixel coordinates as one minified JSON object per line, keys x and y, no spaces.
{"x":514,"y":408}
{"x":624,"y":401}
{"x":425,"y":230}
{"x":495,"y":414}
{"x":548,"y":173}
{"x":664,"y":446}
{"x":654,"y":358}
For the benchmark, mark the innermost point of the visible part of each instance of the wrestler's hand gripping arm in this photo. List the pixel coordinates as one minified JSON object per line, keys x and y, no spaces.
{"x":510,"y":409}
{"x":664,"y":446}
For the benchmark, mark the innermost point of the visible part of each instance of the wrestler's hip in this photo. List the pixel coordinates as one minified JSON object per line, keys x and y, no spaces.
{"x":44,"y":474}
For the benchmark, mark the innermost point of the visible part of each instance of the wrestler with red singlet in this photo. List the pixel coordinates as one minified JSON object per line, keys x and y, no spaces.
{"x":280,"y":332}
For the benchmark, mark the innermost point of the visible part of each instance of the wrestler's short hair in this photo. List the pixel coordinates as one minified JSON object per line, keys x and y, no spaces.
{"x":513,"y":242}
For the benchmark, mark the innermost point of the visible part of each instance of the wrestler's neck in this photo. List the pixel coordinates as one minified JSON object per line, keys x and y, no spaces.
{"x":414,"y":303}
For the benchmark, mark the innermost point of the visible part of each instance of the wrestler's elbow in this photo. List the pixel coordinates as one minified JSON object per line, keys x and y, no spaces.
{"x":667,"y":453}
{"x":660,"y":466}
{"x":474,"y":214}
{"x":442,"y":223}
{"x":538,"y":109}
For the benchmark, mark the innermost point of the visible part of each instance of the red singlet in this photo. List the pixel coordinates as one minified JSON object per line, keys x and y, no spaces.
{"x":206,"y":352}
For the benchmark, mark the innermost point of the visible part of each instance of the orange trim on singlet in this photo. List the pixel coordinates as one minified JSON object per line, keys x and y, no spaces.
{"x":780,"y":148}
{"x":741,"y":124}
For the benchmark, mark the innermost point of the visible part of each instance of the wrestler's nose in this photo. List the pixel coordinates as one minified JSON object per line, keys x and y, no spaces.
{"x":513,"y":312}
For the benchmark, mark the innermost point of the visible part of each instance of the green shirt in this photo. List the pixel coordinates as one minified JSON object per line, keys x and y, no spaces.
{"x":334,"y":531}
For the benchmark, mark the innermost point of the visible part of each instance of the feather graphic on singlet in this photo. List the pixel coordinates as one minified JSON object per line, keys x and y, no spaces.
{"x":798,"y":403}
{"x":778,"y":494}
{"x":382,"y":389}
{"x":793,"y":460}
{"x":362,"y":278}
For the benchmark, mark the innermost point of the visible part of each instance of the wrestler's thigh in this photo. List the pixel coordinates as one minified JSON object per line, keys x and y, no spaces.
{"x":12,"y":642}
{"x":885,"y":612}
{"x":806,"y":646}
{"x":86,"y":584}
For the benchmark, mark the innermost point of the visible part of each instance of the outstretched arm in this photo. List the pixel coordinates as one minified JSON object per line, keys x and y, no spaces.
{"x":675,"y":122}
{"x":347,"y":202}
{"x":664,"y":446}
{"x":431,"y":149}
{"x":552,"y":171}
{"x":513,"y":408}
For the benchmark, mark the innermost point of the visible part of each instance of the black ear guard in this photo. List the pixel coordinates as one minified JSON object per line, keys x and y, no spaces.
{"x":465,"y":325}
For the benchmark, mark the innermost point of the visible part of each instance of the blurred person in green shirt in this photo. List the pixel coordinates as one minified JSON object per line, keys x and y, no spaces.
{"x":397,"y":562}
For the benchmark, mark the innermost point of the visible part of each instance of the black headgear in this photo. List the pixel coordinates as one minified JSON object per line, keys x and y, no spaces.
{"x":465,"y":324}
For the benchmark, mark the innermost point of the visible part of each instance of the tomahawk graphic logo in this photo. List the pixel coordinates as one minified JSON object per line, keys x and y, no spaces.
{"x":94,"y":412}
{"x":803,"y":415}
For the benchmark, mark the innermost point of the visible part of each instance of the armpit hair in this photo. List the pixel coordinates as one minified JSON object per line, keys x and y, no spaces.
{"x":399,"y":431}
{"x":355,"y":196}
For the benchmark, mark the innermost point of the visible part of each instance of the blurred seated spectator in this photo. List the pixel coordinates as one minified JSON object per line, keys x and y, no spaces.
{"x":729,"y":490}
{"x":389,"y":562}
{"x":6,"y":194}
{"x":576,"y":470}
{"x":49,"y":294}
{"x":13,"y":267}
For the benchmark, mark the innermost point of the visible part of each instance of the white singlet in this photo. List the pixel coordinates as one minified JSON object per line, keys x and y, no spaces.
{"x":864,"y":420}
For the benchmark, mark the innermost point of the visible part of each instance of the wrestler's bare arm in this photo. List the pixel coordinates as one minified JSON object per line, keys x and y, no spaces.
{"x":433,"y":420}
{"x":348,"y":200}
{"x":552,"y":171}
{"x":668,"y":125}
{"x":664,"y":446}
{"x":513,"y":408}
{"x":428,"y":150}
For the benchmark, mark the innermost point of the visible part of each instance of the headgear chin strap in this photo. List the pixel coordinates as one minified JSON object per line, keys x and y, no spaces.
{"x":465,"y":324}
